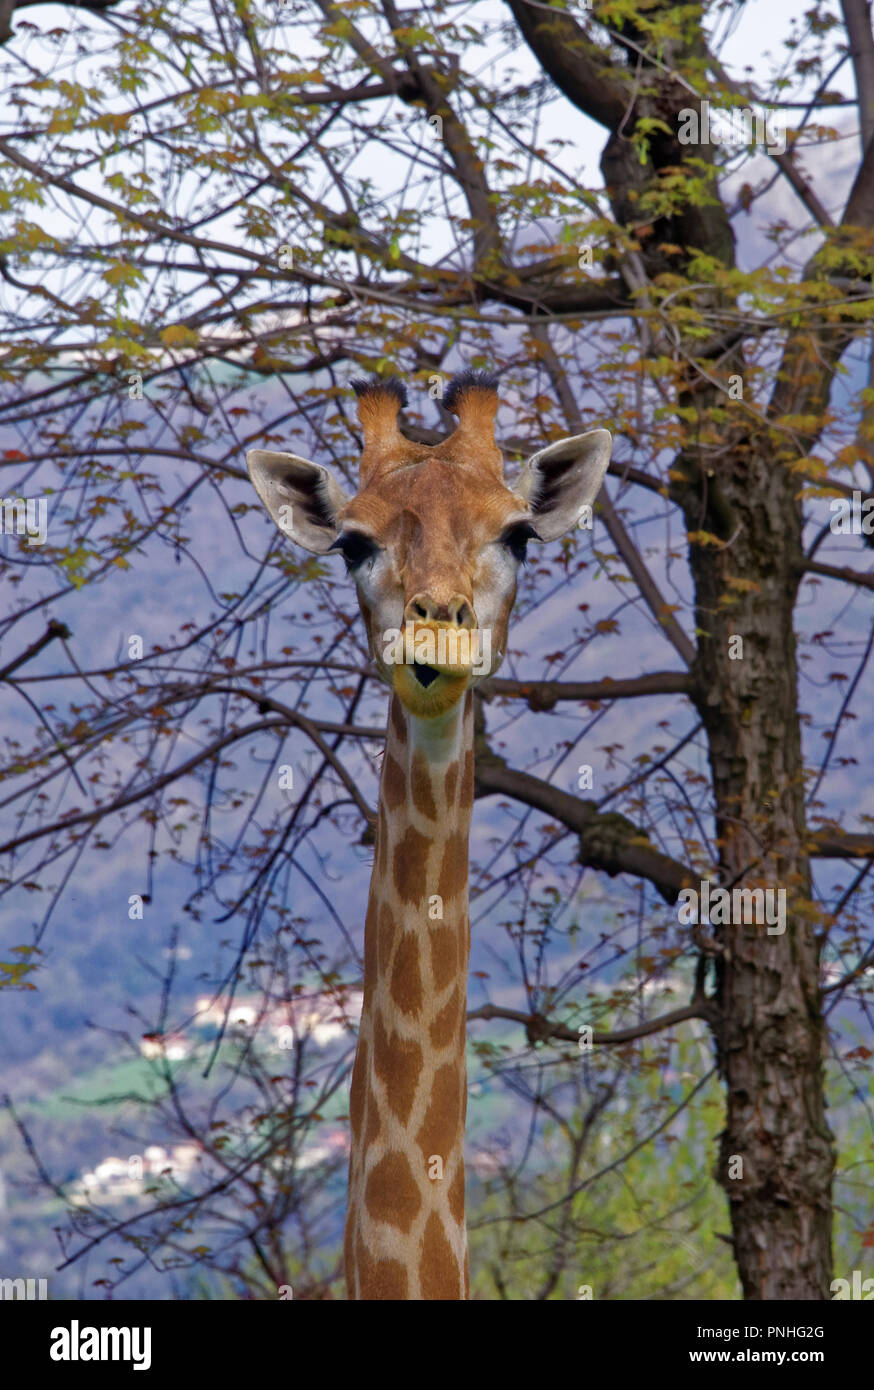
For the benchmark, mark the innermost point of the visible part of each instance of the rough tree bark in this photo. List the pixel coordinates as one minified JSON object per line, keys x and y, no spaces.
{"x":767,"y":1022}
{"x":769,"y":1035}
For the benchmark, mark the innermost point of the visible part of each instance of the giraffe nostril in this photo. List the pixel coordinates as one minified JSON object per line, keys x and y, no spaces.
{"x":422,"y":607}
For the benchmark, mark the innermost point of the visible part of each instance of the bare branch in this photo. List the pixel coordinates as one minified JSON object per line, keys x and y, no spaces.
{"x":53,"y":630}
{"x":652,"y":596}
{"x":607,"y":841}
{"x":578,"y":67}
{"x":865,"y":580}
{"x":542,"y":695}
{"x":89,"y":817}
{"x":540,"y":1029}
{"x":840,"y":844}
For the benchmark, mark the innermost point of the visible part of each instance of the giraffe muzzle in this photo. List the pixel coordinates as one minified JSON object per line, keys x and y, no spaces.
{"x":443,"y":647}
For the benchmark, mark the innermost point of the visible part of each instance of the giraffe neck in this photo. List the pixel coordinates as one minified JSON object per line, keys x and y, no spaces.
{"x":405,"y":1231}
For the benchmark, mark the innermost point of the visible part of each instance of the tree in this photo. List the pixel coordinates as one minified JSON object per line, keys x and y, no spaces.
{"x":205,"y":232}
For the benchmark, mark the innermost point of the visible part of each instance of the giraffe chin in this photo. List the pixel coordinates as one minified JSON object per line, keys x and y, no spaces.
{"x":438,"y":697}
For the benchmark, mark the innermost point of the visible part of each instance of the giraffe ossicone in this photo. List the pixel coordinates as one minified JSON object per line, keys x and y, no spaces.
{"x":433,"y":539}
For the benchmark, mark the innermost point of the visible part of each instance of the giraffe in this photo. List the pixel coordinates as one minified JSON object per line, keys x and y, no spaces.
{"x":433,"y":539}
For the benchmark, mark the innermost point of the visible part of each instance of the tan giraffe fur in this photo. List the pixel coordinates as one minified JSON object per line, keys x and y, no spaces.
{"x":431,"y":539}
{"x":405,"y":1235}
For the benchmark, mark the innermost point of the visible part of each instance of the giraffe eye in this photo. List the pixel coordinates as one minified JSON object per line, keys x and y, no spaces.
{"x":355,"y":548}
{"x":516,"y":540}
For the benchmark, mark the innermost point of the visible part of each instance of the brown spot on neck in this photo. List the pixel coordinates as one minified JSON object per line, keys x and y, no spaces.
{"x":445,"y":1026}
{"x":439,"y":1272}
{"x":393,"y":789}
{"x":409,"y":866}
{"x":445,"y":954}
{"x":379,"y":1279}
{"x":444,"y":1117}
{"x":467,"y":779}
{"x":386,"y":936}
{"x":420,"y":785}
{"x":371,"y":1124}
{"x":406,"y":980}
{"x":398,"y":1064}
{"x":359,"y":1083}
{"x":453,"y":867}
{"x":391,"y":1194}
{"x":456,"y":1194}
{"x":397,"y":720}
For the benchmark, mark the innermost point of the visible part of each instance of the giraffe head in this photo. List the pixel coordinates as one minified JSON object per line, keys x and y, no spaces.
{"x":434,"y":536}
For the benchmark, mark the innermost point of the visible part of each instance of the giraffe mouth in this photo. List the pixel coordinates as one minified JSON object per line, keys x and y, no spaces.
{"x":425,"y":675}
{"x":425,"y":690}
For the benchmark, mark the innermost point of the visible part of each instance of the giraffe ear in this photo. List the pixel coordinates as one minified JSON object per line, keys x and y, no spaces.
{"x":301,"y":497}
{"x":560,"y":481}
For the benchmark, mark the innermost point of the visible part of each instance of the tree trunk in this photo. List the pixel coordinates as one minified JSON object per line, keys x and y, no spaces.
{"x":770,"y":1033}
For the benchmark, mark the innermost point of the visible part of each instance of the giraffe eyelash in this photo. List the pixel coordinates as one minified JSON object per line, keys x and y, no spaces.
{"x":355,"y":548}
{"x":516,"y":540}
